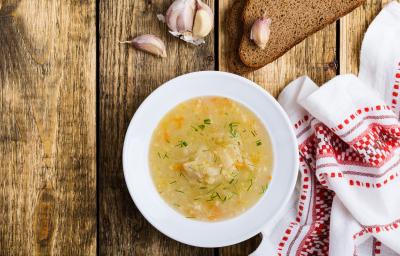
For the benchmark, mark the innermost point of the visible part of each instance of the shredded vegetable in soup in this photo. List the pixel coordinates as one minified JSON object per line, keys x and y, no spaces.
{"x":210,"y":158}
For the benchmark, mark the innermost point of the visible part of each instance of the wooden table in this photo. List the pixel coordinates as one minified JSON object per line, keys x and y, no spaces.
{"x":67,"y":93}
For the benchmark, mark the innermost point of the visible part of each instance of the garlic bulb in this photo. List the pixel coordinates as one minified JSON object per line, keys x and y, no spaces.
{"x":189,"y":20}
{"x":260,"y":32}
{"x":149,"y":43}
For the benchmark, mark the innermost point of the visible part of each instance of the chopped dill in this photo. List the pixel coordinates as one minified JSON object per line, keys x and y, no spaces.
{"x":214,"y":188}
{"x":173,"y":182}
{"x":202,"y":126}
{"x":254,"y":133}
{"x":250,"y":164}
{"x":251,"y":184}
{"x":264,"y":188}
{"x":230,"y":182}
{"x":182,"y":144}
{"x":215,"y":159}
{"x":194,"y":128}
{"x":233,"y":129}
{"x":217,"y":195}
{"x":214,"y":195}
{"x":177,"y":205}
{"x":207,"y":121}
{"x":179,"y":191}
{"x":183,"y":175}
{"x":162,"y":156}
{"x":258,"y":143}
{"x":202,"y":187}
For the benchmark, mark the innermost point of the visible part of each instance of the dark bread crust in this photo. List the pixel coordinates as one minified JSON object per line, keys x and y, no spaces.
{"x":234,"y":31}
{"x":292,"y":22}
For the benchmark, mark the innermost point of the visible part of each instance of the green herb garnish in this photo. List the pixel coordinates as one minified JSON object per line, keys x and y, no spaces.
{"x":194,"y":128}
{"x":251,"y":184}
{"x":258,"y":143}
{"x":207,"y":121}
{"x":214,"y":195}
{"x":233,"y":129}
{"x":217,"y":195}
{"x":179,"y":191}
{"x":162,"y":156}
{"x":173,"y":182}
{"x":182,"y":144}
{"x":264,"y":188}
{"x":254,"y":133}
{"x":202,"y":126}
{"x":214,"y":188}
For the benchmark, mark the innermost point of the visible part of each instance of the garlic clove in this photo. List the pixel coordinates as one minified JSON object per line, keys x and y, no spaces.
{"x":203,"y":6}
{"x":204,"y":20}
{"x":185,"y":21}
{"x":180,"y":15}
{"x":149,"y":43}
{"x":260,"y":32}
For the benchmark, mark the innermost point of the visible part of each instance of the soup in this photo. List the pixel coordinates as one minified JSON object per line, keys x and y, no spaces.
{"x":210,"y":158}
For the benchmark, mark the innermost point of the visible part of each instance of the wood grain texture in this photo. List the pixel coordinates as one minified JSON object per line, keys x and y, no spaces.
{"x":352,"y":29}
{"x":315,"y":57}
{"x":241,"y":249}
{"x":127,"y":77}
{"x":47,"y":127}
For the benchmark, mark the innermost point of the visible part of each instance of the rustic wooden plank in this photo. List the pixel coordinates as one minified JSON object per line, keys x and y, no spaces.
{"x":243,"y":248}
{"x":127,"y":76}
{"x":315,"y":57}
{"x":352,"y":30}
{"x":47,"y":127}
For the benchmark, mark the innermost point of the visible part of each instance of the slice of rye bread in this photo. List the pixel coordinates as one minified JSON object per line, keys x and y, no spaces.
{"x":234,"y":31}
{"x":292,"y":22}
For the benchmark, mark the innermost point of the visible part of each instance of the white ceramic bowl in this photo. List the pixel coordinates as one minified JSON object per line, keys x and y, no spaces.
{"x":140,"y":183}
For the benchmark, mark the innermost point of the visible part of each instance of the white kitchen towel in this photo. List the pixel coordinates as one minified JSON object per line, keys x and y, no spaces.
{"x":348,"y":130}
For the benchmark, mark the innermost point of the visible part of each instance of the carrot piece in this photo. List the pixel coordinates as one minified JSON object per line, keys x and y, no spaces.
{"x":178,"y":121}
{"x":166,"y":136}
